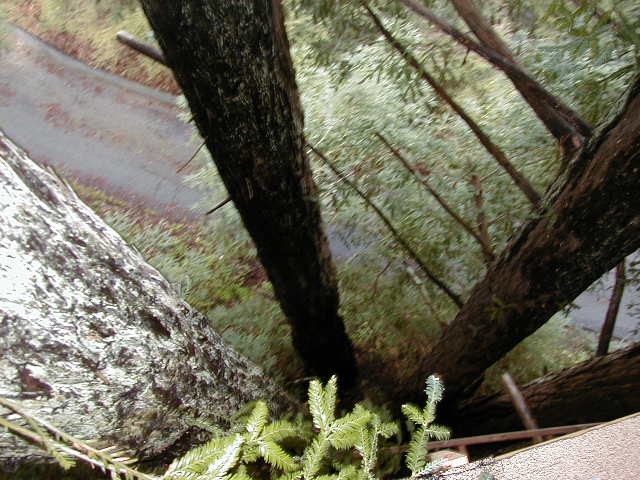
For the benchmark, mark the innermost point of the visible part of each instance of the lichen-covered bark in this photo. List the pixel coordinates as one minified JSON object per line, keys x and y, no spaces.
{"x":94,"y":339}
{"x":598,"y":390}
{"x":592,"y":223}
{"x":231,"y":59}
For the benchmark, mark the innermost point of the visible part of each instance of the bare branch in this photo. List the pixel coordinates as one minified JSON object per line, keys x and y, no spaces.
{"x":486,"y":249}
{"x":612,"y":311}
{"x":520,"y":404}
{"x":195,"y":154}
{"x":557,"y":125}
{"x":219,"y":206}
{"x":417,"y":281}
{"x":502,"y":63}
{"x":521,"y":182}
{"x":455,"y":298}
{"x":131,"y":41}
{"x":483,"y":224}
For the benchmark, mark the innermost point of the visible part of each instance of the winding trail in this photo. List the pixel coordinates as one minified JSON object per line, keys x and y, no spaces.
{"x":95,"y":127}
{"x":125,"y":138}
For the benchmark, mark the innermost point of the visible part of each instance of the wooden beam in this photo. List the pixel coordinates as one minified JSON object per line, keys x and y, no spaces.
{"x":508,"y":436}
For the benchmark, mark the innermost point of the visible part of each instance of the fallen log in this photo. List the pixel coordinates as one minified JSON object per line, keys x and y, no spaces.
{"x":598,"y":390}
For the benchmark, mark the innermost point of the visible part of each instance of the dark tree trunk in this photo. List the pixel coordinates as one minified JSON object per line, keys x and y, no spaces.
{"x":592,"y":223}
{"x":597,"y":390}
{"x":231,"y":59}
{"x":95,"y":340}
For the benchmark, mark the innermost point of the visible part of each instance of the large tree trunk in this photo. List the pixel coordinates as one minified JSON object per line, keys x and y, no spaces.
{"x":597,"y":390}
{"x":95,"y":340}
{"x":231,"y":59}
{"x":592,"y":223}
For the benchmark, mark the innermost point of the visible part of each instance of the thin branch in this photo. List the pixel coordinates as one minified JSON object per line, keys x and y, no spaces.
{"x":483,"y":224}
{"x":612,"y":311}
{"x":154,"y":53}
{"x":486,"y":249}
{"x":195,"y":154}
{"x":557,"y":125}
{"x":219,"y":206}
{"x":417,"y":281}
{"x":396,"y":235}
{"x":502,"y":63}
{"x":375,"y":283}
{"x":520,"y":404}
{"x":521,"y":182}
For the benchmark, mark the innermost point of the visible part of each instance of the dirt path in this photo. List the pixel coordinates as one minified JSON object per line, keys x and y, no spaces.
{"x":95,"y":127}
{"x":125,"y":138}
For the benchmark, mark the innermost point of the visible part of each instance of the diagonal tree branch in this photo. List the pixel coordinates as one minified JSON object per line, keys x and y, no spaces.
{"x":553,"y":120}
{"x":521,"y":182}
{"x":146,"y":49}
{"x":483,"y":224}
{"x":486,"y":249}
{"x":502,"y":63}
{"x":455,"y":298}
{"x":612,"y":311}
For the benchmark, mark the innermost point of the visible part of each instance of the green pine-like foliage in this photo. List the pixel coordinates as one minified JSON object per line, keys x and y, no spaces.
{"x":281,"y":445}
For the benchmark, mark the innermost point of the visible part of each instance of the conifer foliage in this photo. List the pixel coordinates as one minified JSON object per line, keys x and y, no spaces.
{"x":291,"y":450}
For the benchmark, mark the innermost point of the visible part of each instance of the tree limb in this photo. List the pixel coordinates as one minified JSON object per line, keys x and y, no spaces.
{"x":455,"y":298}
{"x":131,"y":41}
{"x":486,"y":249}
{"x":483,"y":224}
{"x":558,"y":126}
{"x":521,"y":182}
{"x":612,"y":311}
{"x":502,"y":63}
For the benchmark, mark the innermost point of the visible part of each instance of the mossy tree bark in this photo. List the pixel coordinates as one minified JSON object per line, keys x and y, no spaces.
{"x":95,"y":340}
{"x":231,"y":59}
{"x":592,"y":222}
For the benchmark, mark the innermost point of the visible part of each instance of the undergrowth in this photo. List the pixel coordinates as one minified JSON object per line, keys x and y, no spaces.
{"x":325,"y":447}
{"x":213,"y":265}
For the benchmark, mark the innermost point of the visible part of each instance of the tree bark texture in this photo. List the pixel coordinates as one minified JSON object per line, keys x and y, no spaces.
{"x":592,"y":222}
{"x":231,"y":59}
{"x":598,"y":390}
{"x":96,"y":341}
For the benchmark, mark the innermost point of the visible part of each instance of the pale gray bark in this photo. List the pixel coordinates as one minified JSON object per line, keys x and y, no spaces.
{"x":95,"y":340}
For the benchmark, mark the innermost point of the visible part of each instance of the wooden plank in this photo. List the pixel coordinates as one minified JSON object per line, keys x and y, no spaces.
{"x":507,"y":436}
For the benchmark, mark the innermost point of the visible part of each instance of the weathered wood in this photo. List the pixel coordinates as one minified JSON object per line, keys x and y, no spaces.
{"x":231,"y":59}
{"x":95,"y":340}
{"x":592,"y":222}
{"x":598,"y":390}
